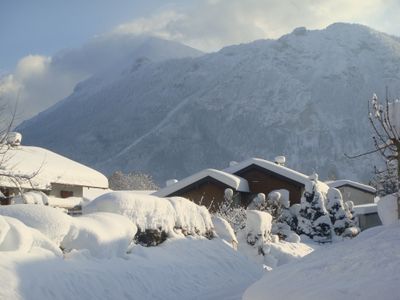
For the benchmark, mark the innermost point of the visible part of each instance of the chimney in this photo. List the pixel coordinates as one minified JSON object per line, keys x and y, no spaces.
{"x":170,"y":182}
{"x":280,"y":160}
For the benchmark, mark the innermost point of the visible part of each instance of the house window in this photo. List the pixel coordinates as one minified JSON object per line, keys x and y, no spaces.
{"x":66,"y":194}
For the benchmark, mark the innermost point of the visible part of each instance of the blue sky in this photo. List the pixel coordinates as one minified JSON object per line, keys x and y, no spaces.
{"x":46,"y":26}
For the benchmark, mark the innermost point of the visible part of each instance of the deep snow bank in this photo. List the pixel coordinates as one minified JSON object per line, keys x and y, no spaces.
{"x":366,"y":267}
{"x":180,"y":268}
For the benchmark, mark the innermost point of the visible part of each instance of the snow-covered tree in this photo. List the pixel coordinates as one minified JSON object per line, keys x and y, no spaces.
{"x":341,"y":214}
{"x":231,"y":211}
{"x":131,"y":181}
{"x":385,"y":121}
{"x":313,"y":219}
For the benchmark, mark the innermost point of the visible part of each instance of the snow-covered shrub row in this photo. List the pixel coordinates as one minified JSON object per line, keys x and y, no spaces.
{"x":101,"y":234}
{"x":156,"y":218}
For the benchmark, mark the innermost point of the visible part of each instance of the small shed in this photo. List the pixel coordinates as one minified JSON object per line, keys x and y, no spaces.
{"x":264,"y":176}
{"x":207,"y":188}
{"x":354,"y":191}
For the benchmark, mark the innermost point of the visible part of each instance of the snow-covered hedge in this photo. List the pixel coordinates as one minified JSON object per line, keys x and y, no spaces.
{"x":190,"y":217}
{"x":103,"y":234}
{"x":156,"y":218}
{"x":146,"y":211}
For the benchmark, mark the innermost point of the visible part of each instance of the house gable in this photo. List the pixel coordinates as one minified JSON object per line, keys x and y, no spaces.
{"x":262,"y":180}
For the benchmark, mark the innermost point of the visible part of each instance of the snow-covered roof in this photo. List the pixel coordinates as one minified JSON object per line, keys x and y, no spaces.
{"x":270,"y":166}
{"x":235,"y":182}
{"x":47,"y":167}
{"x":343,"y":182}
{"x":365,"y":209}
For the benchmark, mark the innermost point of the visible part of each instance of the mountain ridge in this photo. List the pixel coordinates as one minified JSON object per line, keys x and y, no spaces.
{"x":303,"y":95}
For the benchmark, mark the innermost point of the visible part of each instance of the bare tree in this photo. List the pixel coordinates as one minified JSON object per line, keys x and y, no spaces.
{"x":385,"y":121}
{"x":131,"y":181}
{"x":8,"y":141}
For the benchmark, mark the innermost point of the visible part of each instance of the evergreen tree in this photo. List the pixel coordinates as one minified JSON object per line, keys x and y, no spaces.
{"x":313,"y":219}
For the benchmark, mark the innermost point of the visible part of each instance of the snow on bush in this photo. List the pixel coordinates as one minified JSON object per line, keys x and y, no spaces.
{"x":156,"y":218}
{"x":146,"y":211}
{"x":32,"y":197}
{"x":387,"y":209}
{"x":51,"y":222}
{"x":224,"y":231}
{"x":258,"y":227}
{"x":16,"y":236}
{"x":104,"y":235}
{"x":190,"y":217}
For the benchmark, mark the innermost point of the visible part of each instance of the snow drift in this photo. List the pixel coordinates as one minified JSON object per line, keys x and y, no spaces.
{"x":366,"y":267}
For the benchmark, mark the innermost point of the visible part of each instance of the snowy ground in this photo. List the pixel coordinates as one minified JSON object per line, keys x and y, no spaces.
{"x":46,"y":254}
{"x":179,"y":269}
{"x":366,"y":267}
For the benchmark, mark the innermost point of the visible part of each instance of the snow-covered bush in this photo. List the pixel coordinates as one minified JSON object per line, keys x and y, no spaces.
{"x":224,"y":231}
{"x":16,"y":236}
{"x":104,"y":235}
{"x":313,"y":219}
{"x":51,"y":222}
{"x":156,"y":218}
{"x":32,"y":197}
{"x":191,"y":218}
{"x":234,"y":214}
{"x":258,"y":228}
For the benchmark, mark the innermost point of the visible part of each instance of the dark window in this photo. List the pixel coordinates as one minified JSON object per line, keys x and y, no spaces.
{"x":66,"y":194}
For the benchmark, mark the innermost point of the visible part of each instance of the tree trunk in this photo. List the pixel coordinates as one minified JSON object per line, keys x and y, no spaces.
{"x":398,"y":180}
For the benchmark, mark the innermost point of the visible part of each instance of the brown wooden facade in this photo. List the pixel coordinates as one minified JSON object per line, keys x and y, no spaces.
{"x":264,"y":181}
{"x":207,"y":191}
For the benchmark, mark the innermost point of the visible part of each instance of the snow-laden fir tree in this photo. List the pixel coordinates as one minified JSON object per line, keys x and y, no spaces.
{"x":313,"y":219}
{"x":340,"y":214}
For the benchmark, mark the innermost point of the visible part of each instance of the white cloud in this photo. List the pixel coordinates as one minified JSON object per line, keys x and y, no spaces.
{"x":212,"y":24}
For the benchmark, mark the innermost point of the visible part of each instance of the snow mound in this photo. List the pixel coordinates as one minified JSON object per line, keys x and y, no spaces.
{"x":16,"y":236}
{"x":387,"y":209}
{"x":190,"y":217}
{"x":51,"y":222}
{"x":104,"y":235}
{"x":146,"y":211}
{"x":224,"y":230}
{"x":366,"y":267}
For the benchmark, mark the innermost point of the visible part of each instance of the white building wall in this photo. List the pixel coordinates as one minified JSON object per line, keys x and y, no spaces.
{"x":357,"y":196}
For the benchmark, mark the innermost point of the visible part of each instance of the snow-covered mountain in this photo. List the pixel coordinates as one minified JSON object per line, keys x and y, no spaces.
{"x":303,"y":96}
